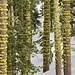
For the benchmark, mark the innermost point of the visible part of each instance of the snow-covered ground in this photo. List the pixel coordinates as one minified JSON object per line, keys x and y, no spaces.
{"x":38,"y":60}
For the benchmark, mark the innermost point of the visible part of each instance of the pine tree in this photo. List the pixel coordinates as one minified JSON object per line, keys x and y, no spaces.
{"x":11,"y":41}
{"x":46,"y":37}
{"x":66,"y":37}
{"x":51,"y":13}
{"x":3,"y":37}
{"x":21,"y":36}
{"x":57,"y":36}
{"x":28,"y":31}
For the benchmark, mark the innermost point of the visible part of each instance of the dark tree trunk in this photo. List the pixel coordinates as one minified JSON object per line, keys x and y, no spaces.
{"x":46,"y":47}
{"x":66,"y":37}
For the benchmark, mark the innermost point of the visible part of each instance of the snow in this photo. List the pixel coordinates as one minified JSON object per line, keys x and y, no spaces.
{"x":38,"y":59}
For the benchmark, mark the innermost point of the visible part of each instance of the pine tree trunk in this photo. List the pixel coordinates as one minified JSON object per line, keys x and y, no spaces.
{"x":3,"y":37}
{"x":9,"y":59}
{"x":13,"y":50}
{"x":46,"y":47}
{"x":29,"y":38}
{"x":66,"y":37}
{"x":11,"y":44}
{"x":51,"y":16}
{"x":57,"y":36}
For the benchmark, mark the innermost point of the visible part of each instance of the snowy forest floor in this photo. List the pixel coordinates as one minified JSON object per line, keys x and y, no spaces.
{"x":38,"y":59}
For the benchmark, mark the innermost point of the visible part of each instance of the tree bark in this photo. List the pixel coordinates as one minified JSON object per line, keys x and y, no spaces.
{"x":57,"y":36}
{"x":46,"y":37}
{"x":3,"y":37}
{"x":66,"y":37}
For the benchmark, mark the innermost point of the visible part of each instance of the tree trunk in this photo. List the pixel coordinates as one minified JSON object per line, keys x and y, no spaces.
{"x":28,"y":31}
{"x":3,"y":37}
{"x":11,"y":54}
{"x":46,"y":47}
{"x":66,"y":37}
{"x":57,"y":35}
